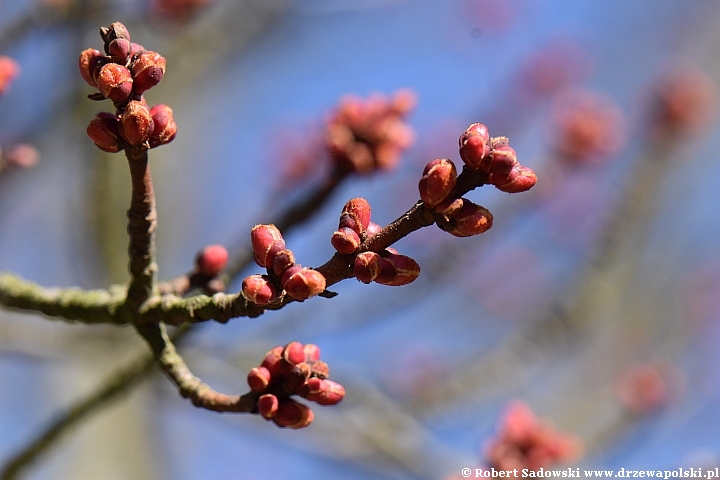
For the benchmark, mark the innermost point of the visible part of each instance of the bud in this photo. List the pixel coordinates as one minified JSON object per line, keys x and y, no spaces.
{"x":258,"y":379}
{"x":304,"y":284}
{"x":272,"y":360}
{"x":294,"y":353}
{"x":474,"y":145}
{"x":147,"y":70}
{"x":135,"y":123}
{"x":503,"y":160}
{"x":164,"y":126}
{"x":373,"y":229}
{"x":312,"y":352}
{"x":345,"y":240}
{"x":136,"y":48}
{"x":266,"y":241}
{"x":397,"y":270}
{"x":519,"y":180}
{"x":331,"y":393}
{"x":320,"y":369}
{"x":267,"y":406}
{"x":258,"y":290}
{"x":114,"y":82}
{"x":284,"y":259}
{"x":115,"y":30}
{"x":89,"y":60}
{"x":471,"y":220}
{"x":298,"y":376}
{"x":103,"y":130}
{"x":449,"y":207}
{"x":119,"y":49}
{"x":366,"y":267}
{"x":22,"y":155}
{"x":211,"y":260}
{"x":356,"y":215}
{"x":291,"y":414}
{"x":9,"y":70}
{"x":438,"y":181}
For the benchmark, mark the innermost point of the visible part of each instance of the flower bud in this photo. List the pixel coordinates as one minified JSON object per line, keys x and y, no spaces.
{"x":312,"y":352}
{"x":471,"y":220}
{"x":294,"y":353}
{"x":119,"y":49}
{"x":272,"y":360}
{"x":211,"y":260}
{"x":331,"y":393}
{"x":268,"y":406}
{"x":437,"y":182}
{"x":115,"y":30}
{"x":367,"y":266}
{"x":304,"y":284}
{"x":503,"y":160}
{"x":136,"y":48}
{"x":397,"y":270}
{"x":88,"y":62}
{"x":373,"y":229}
{"x":147,"y":70}
{"x":298,"y":376}
{"x":284,"y":259}
{"x":345,"y":240}
{"x":164,"y":126}
{"x":136,"y":123}
{"x":258,"y":379}
{"x":266,"y":242}
{"x":519,"y":180}
{"x":103,"y":130}
{"x":356,"y":215}
{"x":290,"y":272}
{"x":258,"y":290}
{"x":114,"y":82}
{"x":22,"y":155}
{"x":320,"y":369}
{"x":291,"y":414}
{"x":474,"y":145}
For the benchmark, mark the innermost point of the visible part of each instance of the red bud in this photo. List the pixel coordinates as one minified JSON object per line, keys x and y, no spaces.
{"x":266,"y":241}
{"x":268,"y":406}
{"x":398,"y":270}
{"x":258,"y":290}
{"x":356,"y":215}
{"x":438,"y":181}
{"x":304,"y":284}
{"x":367,"y":266}
{"x":503,"y":160}
{"x":164,"y":126}
{"x":136,"y":123}
{"x":345,"y":240}
{"x":211,"y":260}
{"x":312,"y":352}
{"x":114,"y":82}
{"x":291,"y":414}
{"x":524,"y":179}
{"x":88,"y":62}
{"x":474,"y":145}
{"x":258,"y":379}
{"x":147,"y":70}
{"x":471,"y":220}
{"x":103,"y":130}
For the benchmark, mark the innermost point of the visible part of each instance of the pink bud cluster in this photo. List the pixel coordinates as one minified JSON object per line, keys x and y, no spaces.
{"x":283,"y":274}
{"x":647,"y":387}
{"x":367,"y":135}
{"x":524,"y":441}
{"x":294,"y":369}
{"x":9,"y":70}
{"x":386,"y":268}
{"x":495,"y":157}
{"x":123,"y":74}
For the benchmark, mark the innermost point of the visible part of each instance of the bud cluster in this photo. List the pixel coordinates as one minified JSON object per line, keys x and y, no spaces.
{"x":294,"y":369}
{"x":9,"y":70}
{"x":19,"y":156}
{"x":283,"y":274}
{"x":524,"y":441}
{"x":367,"y":135}
{"x":386,"y":268}
{"x":122,"y":74}
{"x":495,"y":157}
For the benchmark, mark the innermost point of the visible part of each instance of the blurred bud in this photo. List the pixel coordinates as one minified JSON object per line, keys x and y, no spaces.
{"x":284,"y":259}
{"x":304,"y":284}
{"x":258,"y":379}
{"x":312,"y":352}
{"x":685,"y":101}
{"x":164,"y":126}
{"x":266,"y":241}
{"x":136,"y":123}
{"x":211,"y":260}
{"x":103,"y":130}
{"x":320,"y":369}
{"x":403,"y":101}
{"x":267,"y":406}
{"x":345,"y":240}
{"x":373,"y":228}
{"x":294,"y":353}
{"x":119,"y":49}
{"x":88,"y":62}
{"x":503,"y":160}
{"x":475,"y":145}
{"x":258,"y":290}
{"x":366,"y":267}
{"x":147,"y":70}
{"x":520,"y":179}
{"x":356,"y":215}
{"x":437,"y":182}
{"x":22,"y":155}
{"x":272,"y":360}
{"x":115,"y":82}
{"x":291,"y":414}
{"x":397,"y":270}
{"x":298,"y":376}
{"x":471,"y":220}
